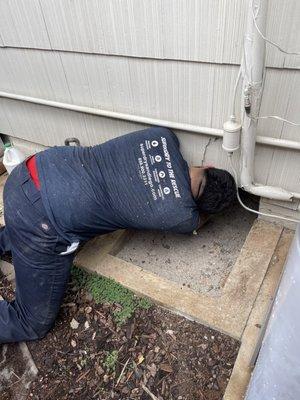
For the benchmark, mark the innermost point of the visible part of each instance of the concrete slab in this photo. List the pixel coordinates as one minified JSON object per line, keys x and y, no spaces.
{"x":7,"y":270}
{"x":228,"y":312}
{"x":241,"y":373}
{"x":201,"y":262}
{"x":102,"y":245}
{"x":17,"y":371}
{"x":249,"y":270}
{"x":285,"y":209}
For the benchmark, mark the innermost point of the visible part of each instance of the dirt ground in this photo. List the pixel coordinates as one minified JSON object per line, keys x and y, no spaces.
{"x":88,"y":355}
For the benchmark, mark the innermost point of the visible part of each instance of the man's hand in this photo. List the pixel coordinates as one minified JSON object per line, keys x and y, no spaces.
{"x":202,"y":221}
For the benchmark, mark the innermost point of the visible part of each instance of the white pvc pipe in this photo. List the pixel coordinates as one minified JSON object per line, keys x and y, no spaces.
{"x":284,"y":143}
{"x":272,"y":192}
{"x":254,"y":66}
{"x":265,"y":140}
{"x":116,"y":115}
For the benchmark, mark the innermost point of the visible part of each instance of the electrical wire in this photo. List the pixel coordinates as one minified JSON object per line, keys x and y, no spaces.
{"x":279,"y":118}
{"x":250,"y":209}
{"x":295,"y":53}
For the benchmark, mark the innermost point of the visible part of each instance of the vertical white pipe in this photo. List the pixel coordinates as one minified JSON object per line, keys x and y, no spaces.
{"x":253,"y":66}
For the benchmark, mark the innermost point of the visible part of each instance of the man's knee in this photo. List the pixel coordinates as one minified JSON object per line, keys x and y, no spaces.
{"x":37,"y":323}
{"x":17,"y":326}
{"x":42,"y":332}
{"x":41,"y":324}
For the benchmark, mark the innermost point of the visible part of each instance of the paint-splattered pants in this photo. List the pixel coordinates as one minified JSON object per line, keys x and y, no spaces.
{"x":41,"y":272}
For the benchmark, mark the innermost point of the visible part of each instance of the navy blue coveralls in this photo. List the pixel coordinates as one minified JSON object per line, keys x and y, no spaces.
{"x":138,"y":181}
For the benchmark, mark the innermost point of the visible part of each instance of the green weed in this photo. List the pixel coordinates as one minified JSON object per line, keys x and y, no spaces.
{"x":110,"y":361}
{"x":105,"y":290}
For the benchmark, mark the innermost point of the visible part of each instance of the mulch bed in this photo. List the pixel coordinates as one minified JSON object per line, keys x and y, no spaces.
{"x":156,"y":353}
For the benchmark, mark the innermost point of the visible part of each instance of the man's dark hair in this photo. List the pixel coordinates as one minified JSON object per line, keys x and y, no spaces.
{"x":219,"y":191}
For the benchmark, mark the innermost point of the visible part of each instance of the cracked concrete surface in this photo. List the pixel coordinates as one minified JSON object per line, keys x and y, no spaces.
{"x":201,"y":262}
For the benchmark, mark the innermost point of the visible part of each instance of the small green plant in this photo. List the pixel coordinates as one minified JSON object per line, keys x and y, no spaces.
{"x":109,"y":291}
{"x":79,"y":276}
{"x":110,"y":361}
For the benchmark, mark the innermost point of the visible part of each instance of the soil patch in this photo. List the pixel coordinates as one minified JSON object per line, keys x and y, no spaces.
{"x":91,"y":355}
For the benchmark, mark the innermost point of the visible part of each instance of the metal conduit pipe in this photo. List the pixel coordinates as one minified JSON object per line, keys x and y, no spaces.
{"x":264,"y":140}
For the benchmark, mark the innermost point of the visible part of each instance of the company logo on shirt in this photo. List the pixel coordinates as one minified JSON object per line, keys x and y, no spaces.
{"x":151,"y":173}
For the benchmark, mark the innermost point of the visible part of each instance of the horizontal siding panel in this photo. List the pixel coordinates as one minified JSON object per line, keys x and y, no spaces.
{"x":22,"y":24}
{"x":193,"y":30}
{"x":44,"y":125}
{"x":35,"y":73}
{"x":129,"y":27}
{"x":281,"y":96}
{"x":283,"y":28}
{"x":50,"y":126}
{"x":284,"y":170}
{"x":193,"y":93}
{"x":5,"y":126}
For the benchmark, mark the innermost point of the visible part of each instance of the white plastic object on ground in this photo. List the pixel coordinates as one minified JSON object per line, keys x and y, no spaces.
{"x":277,"y":375}
{"x":12,"y":157}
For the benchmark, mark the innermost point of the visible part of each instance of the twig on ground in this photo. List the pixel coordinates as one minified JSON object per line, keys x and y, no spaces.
{"x":4,"y":351}
{"x":83,"y":376}
{"x":122,"y":372}
{"x":49,"y":394}
{"x":153,"y":397}
{"x":17,"y":376}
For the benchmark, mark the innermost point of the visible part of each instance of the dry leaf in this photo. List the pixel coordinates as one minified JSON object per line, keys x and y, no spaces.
{"x":74,"y":324}
{"x":166,"y":368}
{"x":141,"y":358}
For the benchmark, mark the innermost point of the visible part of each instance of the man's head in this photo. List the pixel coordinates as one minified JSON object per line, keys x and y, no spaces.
{"x":216,"y":190}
